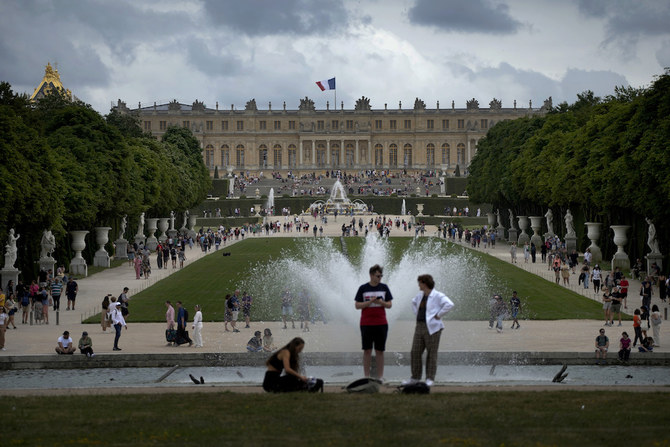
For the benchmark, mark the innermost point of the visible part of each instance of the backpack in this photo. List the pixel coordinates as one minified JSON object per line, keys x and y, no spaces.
{"x":415,"y":388}
{"x":366,"y":385}
{"x":185,"y":316}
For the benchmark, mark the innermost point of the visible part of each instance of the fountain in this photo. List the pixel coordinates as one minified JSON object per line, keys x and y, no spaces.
{"x":269,"y":205}
{"x":332,"y":279}
{"x":403,"y":209}
{"x":339,"y":202}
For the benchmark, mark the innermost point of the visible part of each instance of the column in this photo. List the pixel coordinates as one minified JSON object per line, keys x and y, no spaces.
{"x":314,"y":153}
{"x":357,"y":156}
{"x":300,"y":159}
{"x":328,"y":154}
{"x":467,"y":156}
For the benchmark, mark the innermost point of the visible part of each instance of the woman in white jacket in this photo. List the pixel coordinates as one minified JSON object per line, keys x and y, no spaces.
{"x":430,"y":306}
{"x":197,"y":327}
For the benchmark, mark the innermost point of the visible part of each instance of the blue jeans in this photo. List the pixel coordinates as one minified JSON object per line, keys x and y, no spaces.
{"x":118,"y":328}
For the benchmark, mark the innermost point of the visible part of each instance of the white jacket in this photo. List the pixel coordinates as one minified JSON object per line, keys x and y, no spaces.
{"x":438,"y":304}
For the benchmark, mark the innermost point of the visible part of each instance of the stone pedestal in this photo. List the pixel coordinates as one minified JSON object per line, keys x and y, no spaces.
{"x":121,"y":249}
{"x":192,"y":220}
{"x":571,"y":243}
{"x":46,"y":263}
{"x":78,"y":265}
{"x":419,"y":208}
{"x":152,"y":226}
{"x":443,"y":186}
{"x":593,"y":233}
{"x":620,"y":258}
{"x":513,"y":235}
{"x":523,"y":225}
{"x":162,"y":227}
{"x":139,"y":240}
{"x":651,"y":258}
{"x":500,"y":236}
{"x":257,"y":193}
{"x":536,"y":225}
{"x":173,"y":233}
{"x":257,"y":209}
{"x":101,"y":257}
{"x":8,"y":274}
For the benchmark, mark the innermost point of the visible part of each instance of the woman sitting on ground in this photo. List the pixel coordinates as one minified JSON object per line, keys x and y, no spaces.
{"x":286,"y":359}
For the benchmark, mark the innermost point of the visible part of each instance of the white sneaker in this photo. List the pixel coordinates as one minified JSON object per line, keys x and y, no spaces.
{"x":409,"y":382}
{"x":429,"y":382}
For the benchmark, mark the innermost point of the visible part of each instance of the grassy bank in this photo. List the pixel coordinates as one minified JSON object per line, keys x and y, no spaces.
{"x":514,"y":418}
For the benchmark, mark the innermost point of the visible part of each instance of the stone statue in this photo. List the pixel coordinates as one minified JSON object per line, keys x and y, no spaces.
{"x":652,"y":242}
{"x":499,"y":219}
{"x":140,"y":227}
{"x":171,"y":220}
{"x":569,"y":226}
{"x":11,"y":250}
{"x":550,"y":221}
{"x":511,"y":219}
{"x":185,"y":219}
{"x":48,"y":244}
{"x":124,"y":224}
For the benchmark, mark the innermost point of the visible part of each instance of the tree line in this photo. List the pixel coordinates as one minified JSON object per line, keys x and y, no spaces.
{"x":65,"y":167}
{"x":605,"y":159}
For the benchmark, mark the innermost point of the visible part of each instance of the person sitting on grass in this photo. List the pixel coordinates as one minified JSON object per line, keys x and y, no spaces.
{"x":255,"y":344}
{"x":602,"y":345}
{"x":286,"y":359}
{"x":86,"y":345}
{"x":65,"y":345}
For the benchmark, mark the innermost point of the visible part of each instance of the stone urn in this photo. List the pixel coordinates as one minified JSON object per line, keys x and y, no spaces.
{"x":78,"y":263}
{"x":257,"y":193}
{"x":257,"y":209}
{"x":101,"y":258}
{"x":419,"y":209}
{"x":152,"y":226}
{"x":523,"y":225}
{"x":593,"y":233}
{"x":620,"y":258}
{"x":536,"y":225}
{"x":491,"y":219}
{"x":162,"y":227}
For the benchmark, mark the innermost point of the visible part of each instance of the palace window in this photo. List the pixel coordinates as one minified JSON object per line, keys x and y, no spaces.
{"x":379,"y":155}
{"x":240,"y":125}
{"x":407,"y":156}
{"x":446,"y":154}
{"x":335,"y":124}
{"x":320,"y":125}
{"x":392,"y":125}
{"x":363,"y":155}
{"x":350,"y":124}
{"x":292,"y":160}
{"x":461,"y":124}
{"x":321,"y":155}
{"x":393,"y":155}
{"x":277,"y":125}
{"x":430,"y":155}
{"x":263,"y":156}
{"x":277,"y":155}
{"x":239,"y":155}
{"x":209,"y":156}
{"x":460,"y":154}
{"x":262,"y":125}
{"x":445,"y":124}
{"x":162,"y":125}
{"x":430,"y":124}
{"x":147,"y":126}
{"x":335,"y":155}
{"x":186,"y":124}
{"x":225,"y":155}
{"x":378,"y":124}
{"x":408,"y":124}
{"x":209,"y":125}
{"x":291,"y":125}
{"x":484,"y":124}
{"x":350,"y":155}
{"x":224,"y":125}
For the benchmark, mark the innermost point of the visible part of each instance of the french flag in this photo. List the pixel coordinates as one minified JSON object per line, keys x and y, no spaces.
{"x":326,"y":85}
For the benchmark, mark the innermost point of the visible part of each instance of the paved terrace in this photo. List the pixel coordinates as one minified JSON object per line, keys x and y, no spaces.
{"x":563,"y":341}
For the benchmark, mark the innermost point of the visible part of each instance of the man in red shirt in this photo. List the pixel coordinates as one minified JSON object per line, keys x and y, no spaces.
{"x":373,"y":298}
{"x":624,"y":291}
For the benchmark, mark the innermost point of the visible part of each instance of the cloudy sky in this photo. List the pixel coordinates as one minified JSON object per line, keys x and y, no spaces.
{"x":388,"y":50}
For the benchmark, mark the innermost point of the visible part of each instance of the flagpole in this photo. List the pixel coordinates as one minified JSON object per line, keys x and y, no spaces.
{"x":335,"y":91}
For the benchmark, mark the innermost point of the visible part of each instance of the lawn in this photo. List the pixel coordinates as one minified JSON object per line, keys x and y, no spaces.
{"x":509,"y":418}
{"x":265,"y":266}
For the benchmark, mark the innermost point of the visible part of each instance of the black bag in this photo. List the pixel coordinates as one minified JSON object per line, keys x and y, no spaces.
{"x":170,"y":335}
{"x":415,"y":388}
{"x":314,"y":385}
{"x":366,"y":385}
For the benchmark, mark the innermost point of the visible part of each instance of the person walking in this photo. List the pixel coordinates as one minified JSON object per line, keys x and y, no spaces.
{"x":182,"y":320}
{"x":515,"y":307}
{"x":117,"y":321}
{"x":246,"y":308}
{"x":104,"y":320}
{"x":656,"y":320}
{"x":71,"y":290}
{"x":197,"y":326}
{"x":4,"y":318}
{"x":429,"y":306}
{"x":372,"y":299}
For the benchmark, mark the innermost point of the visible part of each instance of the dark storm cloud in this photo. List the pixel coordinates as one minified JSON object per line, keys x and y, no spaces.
{"x":268,"y":17}
{"x":600,"y":82}
{"x":472,"y":16}
{"x":208,"y":62}
{"x":625,"y":19}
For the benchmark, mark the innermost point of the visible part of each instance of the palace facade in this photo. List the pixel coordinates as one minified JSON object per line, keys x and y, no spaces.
{"x":310,"y":140}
